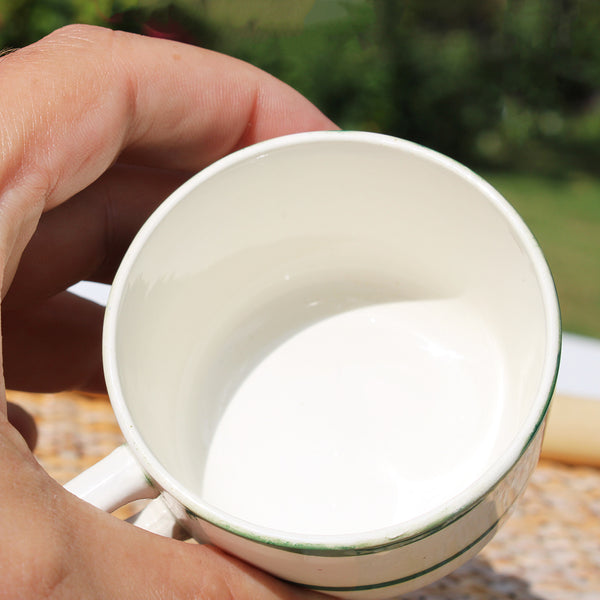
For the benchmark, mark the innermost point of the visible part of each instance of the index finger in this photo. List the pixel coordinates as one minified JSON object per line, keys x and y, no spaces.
{"x":83,"y":96}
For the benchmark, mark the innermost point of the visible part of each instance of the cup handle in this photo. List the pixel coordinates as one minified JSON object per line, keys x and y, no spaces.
{"x":113,"y":482}
{"x":117,"y":480}
{"x":157,"y":518}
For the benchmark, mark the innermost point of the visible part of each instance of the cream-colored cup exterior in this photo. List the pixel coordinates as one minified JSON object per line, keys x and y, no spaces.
{"x":260,"y":229}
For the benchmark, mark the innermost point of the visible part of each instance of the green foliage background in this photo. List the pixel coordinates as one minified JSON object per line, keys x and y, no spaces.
{"x":508,"y":87}
{"x":495,"y":83}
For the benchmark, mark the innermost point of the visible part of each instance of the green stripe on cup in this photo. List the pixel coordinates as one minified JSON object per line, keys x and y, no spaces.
{"x":374,"y":586}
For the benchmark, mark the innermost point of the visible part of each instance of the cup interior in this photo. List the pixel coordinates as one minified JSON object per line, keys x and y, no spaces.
{"x":281,"y":238}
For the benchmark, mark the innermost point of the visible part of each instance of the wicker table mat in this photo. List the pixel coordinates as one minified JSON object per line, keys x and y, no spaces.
{"x":548,"y":550}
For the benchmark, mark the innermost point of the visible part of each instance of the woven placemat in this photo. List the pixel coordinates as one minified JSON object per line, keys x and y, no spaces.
{"x":549,"y":549}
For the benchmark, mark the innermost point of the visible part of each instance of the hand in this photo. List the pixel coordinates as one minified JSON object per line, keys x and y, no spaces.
{"x":96,"y":129}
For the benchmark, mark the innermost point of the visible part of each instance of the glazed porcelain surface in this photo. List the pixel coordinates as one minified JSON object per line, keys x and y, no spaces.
{"x":363,"y":420}
{"x":334,"y":352}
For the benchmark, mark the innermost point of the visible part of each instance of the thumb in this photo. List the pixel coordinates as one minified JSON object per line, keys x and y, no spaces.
{"x":127,"y":562}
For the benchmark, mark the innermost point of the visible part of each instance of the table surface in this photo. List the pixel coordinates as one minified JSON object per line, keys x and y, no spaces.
{"x":549,"y":549}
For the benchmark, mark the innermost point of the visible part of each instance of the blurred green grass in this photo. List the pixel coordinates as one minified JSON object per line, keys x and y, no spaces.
{"x":564,"y":215}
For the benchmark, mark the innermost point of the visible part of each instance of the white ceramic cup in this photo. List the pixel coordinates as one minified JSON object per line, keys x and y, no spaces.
{"x":393,"y":330}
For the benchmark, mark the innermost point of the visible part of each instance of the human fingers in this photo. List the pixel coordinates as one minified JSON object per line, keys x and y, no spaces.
{"x":23,"y":422}
{"x":54,"y":345}
{"x":151,"y":101}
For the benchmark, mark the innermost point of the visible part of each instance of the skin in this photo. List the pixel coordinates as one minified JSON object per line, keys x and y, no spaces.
{"x":96,"y":129}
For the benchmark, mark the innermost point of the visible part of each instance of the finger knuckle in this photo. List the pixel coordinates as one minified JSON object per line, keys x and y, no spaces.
{"x":79,"y":33}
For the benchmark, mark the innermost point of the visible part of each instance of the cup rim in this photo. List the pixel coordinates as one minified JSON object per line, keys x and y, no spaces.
{"x":407,"y":530}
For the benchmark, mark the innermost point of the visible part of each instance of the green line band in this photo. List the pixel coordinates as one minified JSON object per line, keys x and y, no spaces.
{"x":375,"y":586}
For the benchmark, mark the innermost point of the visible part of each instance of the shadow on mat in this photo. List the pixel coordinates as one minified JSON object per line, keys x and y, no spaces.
{"x":476,"y":580}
